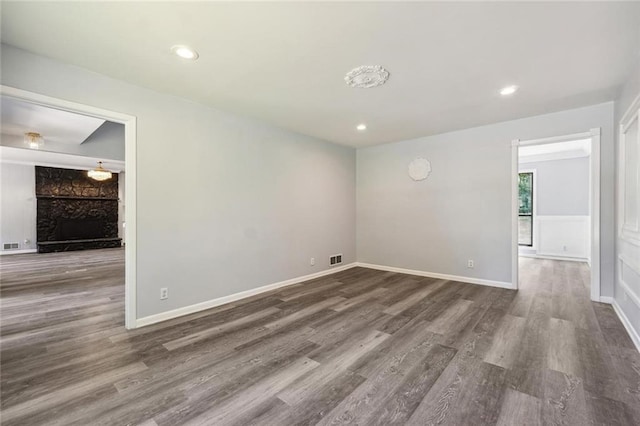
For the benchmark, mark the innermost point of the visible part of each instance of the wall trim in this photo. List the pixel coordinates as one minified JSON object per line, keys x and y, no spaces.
{"x":553,"y":156}
{"x":119,"y":169}
{"x":635,"y":337}
{"x":628,"y":114}
{"x":629,"y":232}
{"x":470,"y":280}
{"x":633,"y":334}
{"x":22,"y":251}
{"x":543,"y":256}
{"x":191,"y":309}
{"x":554,"y":139}
{"x":625,"y":286}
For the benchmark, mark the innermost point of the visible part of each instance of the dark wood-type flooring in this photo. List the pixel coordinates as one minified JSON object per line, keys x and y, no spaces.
{"x":360,"y":347}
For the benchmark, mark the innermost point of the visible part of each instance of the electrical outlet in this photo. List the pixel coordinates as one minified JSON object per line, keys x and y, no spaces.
{"x":312,"y":261}
{"x":164,"y":293}
{"x":469,"y":263}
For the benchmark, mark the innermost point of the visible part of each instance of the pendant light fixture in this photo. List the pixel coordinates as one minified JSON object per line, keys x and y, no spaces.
{"x":33,"y":140}
{"x":99,"y":173}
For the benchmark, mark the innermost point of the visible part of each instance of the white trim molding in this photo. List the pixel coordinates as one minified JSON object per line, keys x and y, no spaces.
{"x":627,"y":324}
{"x":191,"y":309}
{"x":556,"y":139}
{"x":553,"y":156}
{"x":594,"y":213}
{"x":470,"y":280}
{"x":629,"y":231}
{"x":515,"y":208}
{"x":542,"y":256}
{"x":23,"y":251}
{"x":624,"y":261}
{"x":129,"y":122}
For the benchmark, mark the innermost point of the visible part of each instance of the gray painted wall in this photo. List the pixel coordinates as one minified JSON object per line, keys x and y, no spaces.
{"x":630,"y":91}
{"x":264,"y":200}
{"x":463,"y":210}
{"x":106,"y":142}
{"x":240,"y":204}
{"x":562,"y":186}
{"x":18,"y":205}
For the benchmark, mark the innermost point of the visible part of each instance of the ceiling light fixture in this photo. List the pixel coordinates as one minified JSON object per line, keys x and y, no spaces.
{"x":361,"y":127}
{"x":99,"y":173}
{"x":33,"y":140}
{"x":367,"y":76}
{"x":185,"y":52}
{"x":509,"y":90}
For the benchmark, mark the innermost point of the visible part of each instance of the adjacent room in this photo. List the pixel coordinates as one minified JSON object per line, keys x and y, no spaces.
{"x":61,"y":222}
{"x":319,"y":213}
{"x":555,"y":201}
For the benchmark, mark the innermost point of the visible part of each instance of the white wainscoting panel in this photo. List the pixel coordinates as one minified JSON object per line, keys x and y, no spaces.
{"x":629,"y":177}
{"x":563,"y":236}
{"x":629,"y":277}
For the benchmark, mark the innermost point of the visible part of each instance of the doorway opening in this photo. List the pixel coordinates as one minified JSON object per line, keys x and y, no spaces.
{"x":556,"y":204}
{"x":95,"y":213}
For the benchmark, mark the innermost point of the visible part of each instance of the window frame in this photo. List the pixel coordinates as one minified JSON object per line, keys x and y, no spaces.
{"x":532,"y":172}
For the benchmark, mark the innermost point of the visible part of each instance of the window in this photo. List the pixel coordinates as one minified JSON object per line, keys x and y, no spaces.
{"x":525,"y":211}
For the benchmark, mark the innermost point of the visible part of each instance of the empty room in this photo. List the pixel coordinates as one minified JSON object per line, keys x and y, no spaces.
{"x":319,"y":213}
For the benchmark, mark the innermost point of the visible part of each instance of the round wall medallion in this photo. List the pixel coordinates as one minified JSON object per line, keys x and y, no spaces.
{"x":367,"y":76}
{"x":419,"y":169}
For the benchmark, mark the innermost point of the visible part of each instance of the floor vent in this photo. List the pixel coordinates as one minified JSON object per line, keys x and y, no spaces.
{"x":11,"y":246}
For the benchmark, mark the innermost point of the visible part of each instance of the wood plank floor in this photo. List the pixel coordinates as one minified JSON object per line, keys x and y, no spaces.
{"x":359,"y":347}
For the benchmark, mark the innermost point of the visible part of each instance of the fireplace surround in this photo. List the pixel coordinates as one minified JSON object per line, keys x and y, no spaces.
{"x":75,"y":212}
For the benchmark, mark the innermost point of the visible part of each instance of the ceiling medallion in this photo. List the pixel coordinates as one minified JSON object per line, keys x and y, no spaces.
{"x":367,"y":76}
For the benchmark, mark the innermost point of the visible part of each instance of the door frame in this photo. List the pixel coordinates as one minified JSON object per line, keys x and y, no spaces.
{"x":129,"y":122}
{"x":594,"y":202}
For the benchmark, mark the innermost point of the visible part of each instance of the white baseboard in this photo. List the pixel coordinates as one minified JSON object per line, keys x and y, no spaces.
{"x":627,"y":324}
{"x":543,"y":256}
{"x":606,"y":299}
{"x":501,"y":284}
{"x":23,"y":251}
{"x":186,"y":310}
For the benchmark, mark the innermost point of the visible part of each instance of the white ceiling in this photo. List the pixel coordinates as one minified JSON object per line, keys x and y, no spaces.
{"x":19,"y":117}
{"x":555,"y":151}
{"x":33,"y":157}
{"x":284,"y":63}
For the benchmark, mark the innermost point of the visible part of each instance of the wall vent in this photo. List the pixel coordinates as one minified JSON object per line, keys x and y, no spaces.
{"x":335,"y":259}
{"x":11,"y":246}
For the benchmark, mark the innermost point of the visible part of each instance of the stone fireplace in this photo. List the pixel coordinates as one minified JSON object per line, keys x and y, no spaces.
{"x":75,"y":212}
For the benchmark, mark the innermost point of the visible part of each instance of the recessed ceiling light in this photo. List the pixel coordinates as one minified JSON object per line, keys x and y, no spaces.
{"x":185,"y":52}
{"x":361,"y":127}
{"x":509,"y":90}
